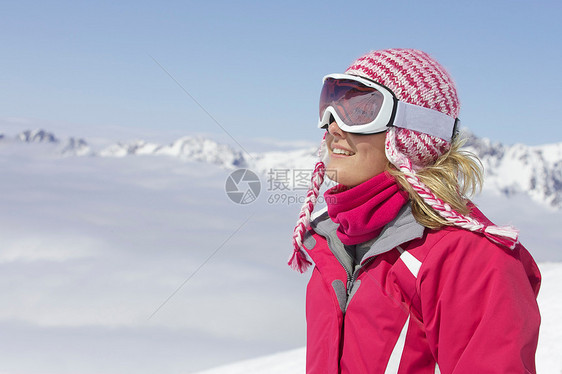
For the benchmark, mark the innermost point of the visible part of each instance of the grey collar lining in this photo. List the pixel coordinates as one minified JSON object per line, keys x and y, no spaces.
{"x":400,"y":230}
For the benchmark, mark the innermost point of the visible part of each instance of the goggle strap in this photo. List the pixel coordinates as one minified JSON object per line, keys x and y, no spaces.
{"x":424,"y":120}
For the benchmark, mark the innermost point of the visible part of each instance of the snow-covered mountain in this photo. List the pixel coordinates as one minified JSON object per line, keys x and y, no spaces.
{"x":37,"y":136}
{"x":67,"y":147}
{"x":532,"y":170}
{"x":186,"y":148}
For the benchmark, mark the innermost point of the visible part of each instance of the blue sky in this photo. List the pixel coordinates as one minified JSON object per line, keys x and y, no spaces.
{"x":256,"y":67}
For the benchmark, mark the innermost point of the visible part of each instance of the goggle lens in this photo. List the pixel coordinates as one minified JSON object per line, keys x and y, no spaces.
{"x":355,"y":103}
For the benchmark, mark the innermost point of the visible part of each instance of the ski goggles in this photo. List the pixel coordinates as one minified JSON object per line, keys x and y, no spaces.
{"x":361,"y":106}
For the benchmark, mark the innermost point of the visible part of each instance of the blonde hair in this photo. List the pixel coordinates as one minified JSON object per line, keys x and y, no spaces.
{"x":453,"y":178}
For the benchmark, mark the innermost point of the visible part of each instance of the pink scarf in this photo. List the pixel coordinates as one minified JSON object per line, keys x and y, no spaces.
{"x":362,"y":211}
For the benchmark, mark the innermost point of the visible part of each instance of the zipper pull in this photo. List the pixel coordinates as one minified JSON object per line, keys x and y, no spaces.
{"x":349,"y":286}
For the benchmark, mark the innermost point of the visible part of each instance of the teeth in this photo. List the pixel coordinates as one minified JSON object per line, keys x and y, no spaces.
{"x":340,"y":151}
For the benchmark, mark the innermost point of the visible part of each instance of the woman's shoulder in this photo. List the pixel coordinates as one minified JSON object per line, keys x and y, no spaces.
{"x":471,"y":254}
{"x":452,"y":244}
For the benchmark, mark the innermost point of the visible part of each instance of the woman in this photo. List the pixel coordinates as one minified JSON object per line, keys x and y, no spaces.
{"x":409,"y":276}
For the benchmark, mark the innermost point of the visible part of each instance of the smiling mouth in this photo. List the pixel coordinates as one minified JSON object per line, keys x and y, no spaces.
{"x":339,"y":151}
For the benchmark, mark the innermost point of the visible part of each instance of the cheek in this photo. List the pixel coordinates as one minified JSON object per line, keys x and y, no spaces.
{"x":328,"y":138}
{"x":373,"y":158}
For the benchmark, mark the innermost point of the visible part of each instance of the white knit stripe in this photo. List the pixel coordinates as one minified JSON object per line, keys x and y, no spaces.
{"x":420,"y":73}
{"x":445,"y":81}
{"x":401,"y":59}
{"x":412,"y":263}
{"x":436,"y":82}
{"x":381,"y":69}
{"x":412,"y":143}
{"x":431,"y":81}
{"x":435,"y":148}
{"x":385,"y":60}
{"x":420,"y":148}
{"x":396,"y":355}
{"x":390,"y":147}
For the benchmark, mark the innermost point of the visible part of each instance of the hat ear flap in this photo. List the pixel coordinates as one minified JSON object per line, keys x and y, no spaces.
{"x":298,"y":260}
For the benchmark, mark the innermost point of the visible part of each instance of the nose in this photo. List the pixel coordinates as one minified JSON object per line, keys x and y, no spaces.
{"x":335,"y":130}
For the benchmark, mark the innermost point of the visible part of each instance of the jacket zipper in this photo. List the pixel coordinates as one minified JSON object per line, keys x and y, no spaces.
{"x":349,"y":283}
{"x":355,"y":275}
{"x":349,"y":276}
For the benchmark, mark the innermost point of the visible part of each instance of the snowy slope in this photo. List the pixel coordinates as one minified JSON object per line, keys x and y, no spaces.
{"x":290,"y":362}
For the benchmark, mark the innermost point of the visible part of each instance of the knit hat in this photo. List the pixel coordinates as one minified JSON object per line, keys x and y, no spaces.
{"x":415,"y":78}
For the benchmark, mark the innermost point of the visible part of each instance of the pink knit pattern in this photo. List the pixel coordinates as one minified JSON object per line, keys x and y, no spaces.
{"x":413,"y":76}
{"x":420,"y":149}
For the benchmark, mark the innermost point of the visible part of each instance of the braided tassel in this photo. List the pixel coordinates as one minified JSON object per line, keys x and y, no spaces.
{"x":503,"y":235}
{"x":298,"y":260}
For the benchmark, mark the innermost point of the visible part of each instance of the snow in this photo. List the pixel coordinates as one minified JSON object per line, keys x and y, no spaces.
{"x":290,"y":362}
{"x":532,"y":170}
{"x":550,"y":337}
{"x":142,"y":264}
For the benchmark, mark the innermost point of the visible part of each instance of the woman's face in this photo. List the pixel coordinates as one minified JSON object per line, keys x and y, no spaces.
{"x":354,"y":158}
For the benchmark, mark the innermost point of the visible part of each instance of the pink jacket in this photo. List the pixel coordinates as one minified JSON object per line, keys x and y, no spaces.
{"x":421,"y":301}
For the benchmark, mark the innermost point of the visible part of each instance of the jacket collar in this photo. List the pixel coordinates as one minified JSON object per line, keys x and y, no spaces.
{"x":402,"y":229}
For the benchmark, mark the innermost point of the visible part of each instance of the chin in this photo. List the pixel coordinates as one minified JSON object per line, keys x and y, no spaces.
{"x":346,"y":180}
